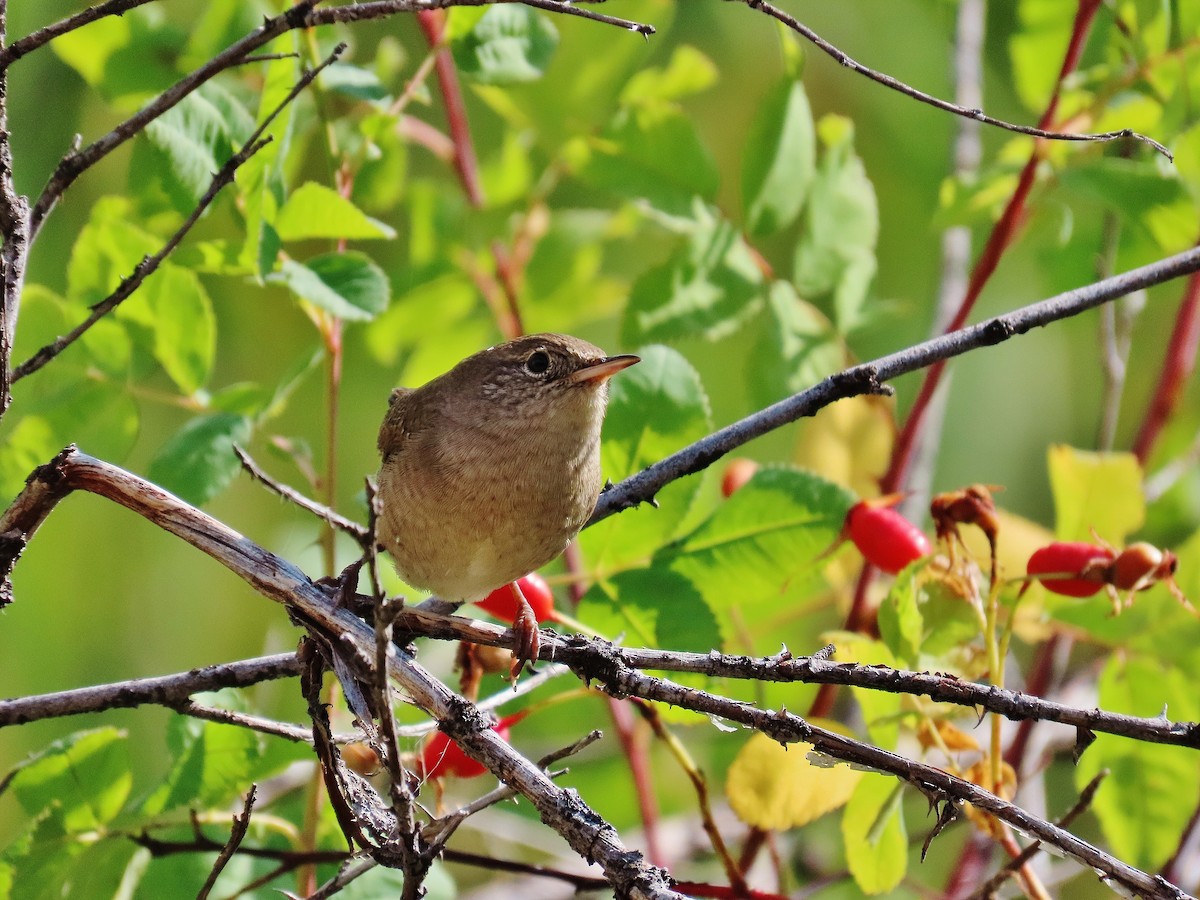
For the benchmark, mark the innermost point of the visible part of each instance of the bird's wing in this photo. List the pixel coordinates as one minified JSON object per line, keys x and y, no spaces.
{"x":398,"y":424}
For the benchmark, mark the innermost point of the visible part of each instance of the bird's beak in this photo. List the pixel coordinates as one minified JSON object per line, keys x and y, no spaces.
{"x":603,"y":370}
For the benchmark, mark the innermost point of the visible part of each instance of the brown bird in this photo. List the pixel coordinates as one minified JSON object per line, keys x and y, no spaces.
{"x":490,"y":470}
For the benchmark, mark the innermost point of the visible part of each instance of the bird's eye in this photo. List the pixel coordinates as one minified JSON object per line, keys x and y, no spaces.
{"x":538,"y":362}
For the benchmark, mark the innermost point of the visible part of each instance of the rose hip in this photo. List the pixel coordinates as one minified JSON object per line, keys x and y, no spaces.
{"x":502,"y":603}
{"x":887,"y":539}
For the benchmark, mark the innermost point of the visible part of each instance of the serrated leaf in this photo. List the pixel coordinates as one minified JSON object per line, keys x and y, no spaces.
{"x":634,"y":438}
{"x":348,"y":285}
{"x":194,"y":138}
{"x":316,"y":211}
{"x":261,"y":180}
{"x":1145,"y":803}
{"x":507,"y":44}
{"x":653,"y":607}
{"x":780,"y":160}
{"x":1101,"y":491}
{"x":762,"y":541}
{"x":86,"y":776}
{"x":710,"y":287}
{"x":796,"y":347}
{"x":106,"y":251}
{"x":687,"y":72}
{"x":874,"y":835}
{"x":198,"y":462}
{"x":841,"y":225}
{"x":775,"y":787}
{"x":652,"y":152}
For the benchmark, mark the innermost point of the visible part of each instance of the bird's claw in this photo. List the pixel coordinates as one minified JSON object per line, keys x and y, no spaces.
{"x":529,"y":640}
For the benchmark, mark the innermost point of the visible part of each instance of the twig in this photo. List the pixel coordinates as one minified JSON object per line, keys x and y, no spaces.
{"x":32,"y":41}
{"x":295,"y":733}
{"x":150,"y":264}
{"x":976,"y":114}
{"x":164,"y":690}
{"x":236,"y":835}
{"x":322,"y":512}
{"x":1116,"y":339}
{"x":870,"y":377}
{"x":277,"y":579}
{"x":988,"y":889}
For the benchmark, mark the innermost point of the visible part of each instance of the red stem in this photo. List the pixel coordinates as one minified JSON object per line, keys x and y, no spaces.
{"x":635,"y":747}
{"x":1002,"y":235}
{"x":433,"y":22}
{"x":1178,"y":365}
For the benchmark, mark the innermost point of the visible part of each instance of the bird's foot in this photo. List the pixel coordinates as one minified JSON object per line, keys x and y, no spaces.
{"x":525,"y":628}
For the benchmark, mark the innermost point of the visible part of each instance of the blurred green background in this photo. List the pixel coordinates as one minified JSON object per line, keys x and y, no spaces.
{"x":102,"y":595}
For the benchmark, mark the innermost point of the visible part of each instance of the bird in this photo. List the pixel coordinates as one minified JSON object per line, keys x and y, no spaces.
{"x":489,"y":470}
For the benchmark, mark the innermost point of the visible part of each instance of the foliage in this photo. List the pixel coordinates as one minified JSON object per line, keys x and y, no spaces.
{"x":746,"y":238}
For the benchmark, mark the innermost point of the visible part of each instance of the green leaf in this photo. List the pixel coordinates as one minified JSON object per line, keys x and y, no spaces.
{"x":348,"y":285}
{"x":874,"y":835}
{"x":880,"y":710}
{"x":107,"y":251}
{"x":796,"y":347}
{"x":86,"y":776}
{"x":710,"y":286}
{"x":1037,"y":49}
{"x":780,"y":160}
{"x":654,"y":607}
{"x":212,"y":762}
{"x":1145,"y":803}
{"x":127,"y":58}
{"x":763,"y":541}
{"x":316,"y":211}
{"x":634,"y":438}
{"x":174,"y":306}
{"x":1095,"y":491}
{"x":506,"y":44}
{"x":198,"y":462}
{"x":688,"y":72}
{"x":193,"y":140}
{"x":652,"y":152}
{"x":261,"y":180}
{"x":841,"y":225}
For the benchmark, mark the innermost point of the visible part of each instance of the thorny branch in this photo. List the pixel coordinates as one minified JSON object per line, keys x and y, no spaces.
{"x":936,"y":102}
{"x":586,"y":832}
{"x":150,"y":264}
{"x":870,"y":377}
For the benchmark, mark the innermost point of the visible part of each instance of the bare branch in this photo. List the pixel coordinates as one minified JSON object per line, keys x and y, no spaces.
{"x":150,"y":264}
{"x":322,"y":512}
{"x":276,"y":578}
{"x":31,"y":42}
{"x":945,"y":105}
{"x":165,"y":690}
{"x":236,"y":835}
{"x":870,"y":377}
{"x":14,"y":229}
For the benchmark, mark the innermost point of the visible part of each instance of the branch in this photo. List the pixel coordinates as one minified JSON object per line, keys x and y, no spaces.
{"x":165,"y":690}
{"x":150,"y":264}
{"x":870,"y":377}
{"x":31,"y":42}
{"x":301,"y":15}
{"x":14,"y":229}
{"x":587,"y":833}
{"x":236,"y":835}
{"x":945,"y":105}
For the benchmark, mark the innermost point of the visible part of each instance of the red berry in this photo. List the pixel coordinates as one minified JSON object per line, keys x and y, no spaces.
{"x":442,"y":757}
{"x":737,"y":473}
{"x":503,"y":605}
{"x":887,"y":539}
{"x":1089,"y":564}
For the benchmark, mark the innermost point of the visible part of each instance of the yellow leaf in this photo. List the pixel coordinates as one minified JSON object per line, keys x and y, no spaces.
{"x":1100,"y":491}
{"x":849,"y":443}
{"x":944,"y":734}
{"x":772,"y":787}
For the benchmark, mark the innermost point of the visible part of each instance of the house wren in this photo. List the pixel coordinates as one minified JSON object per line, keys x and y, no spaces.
{"x":490,"y":470}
